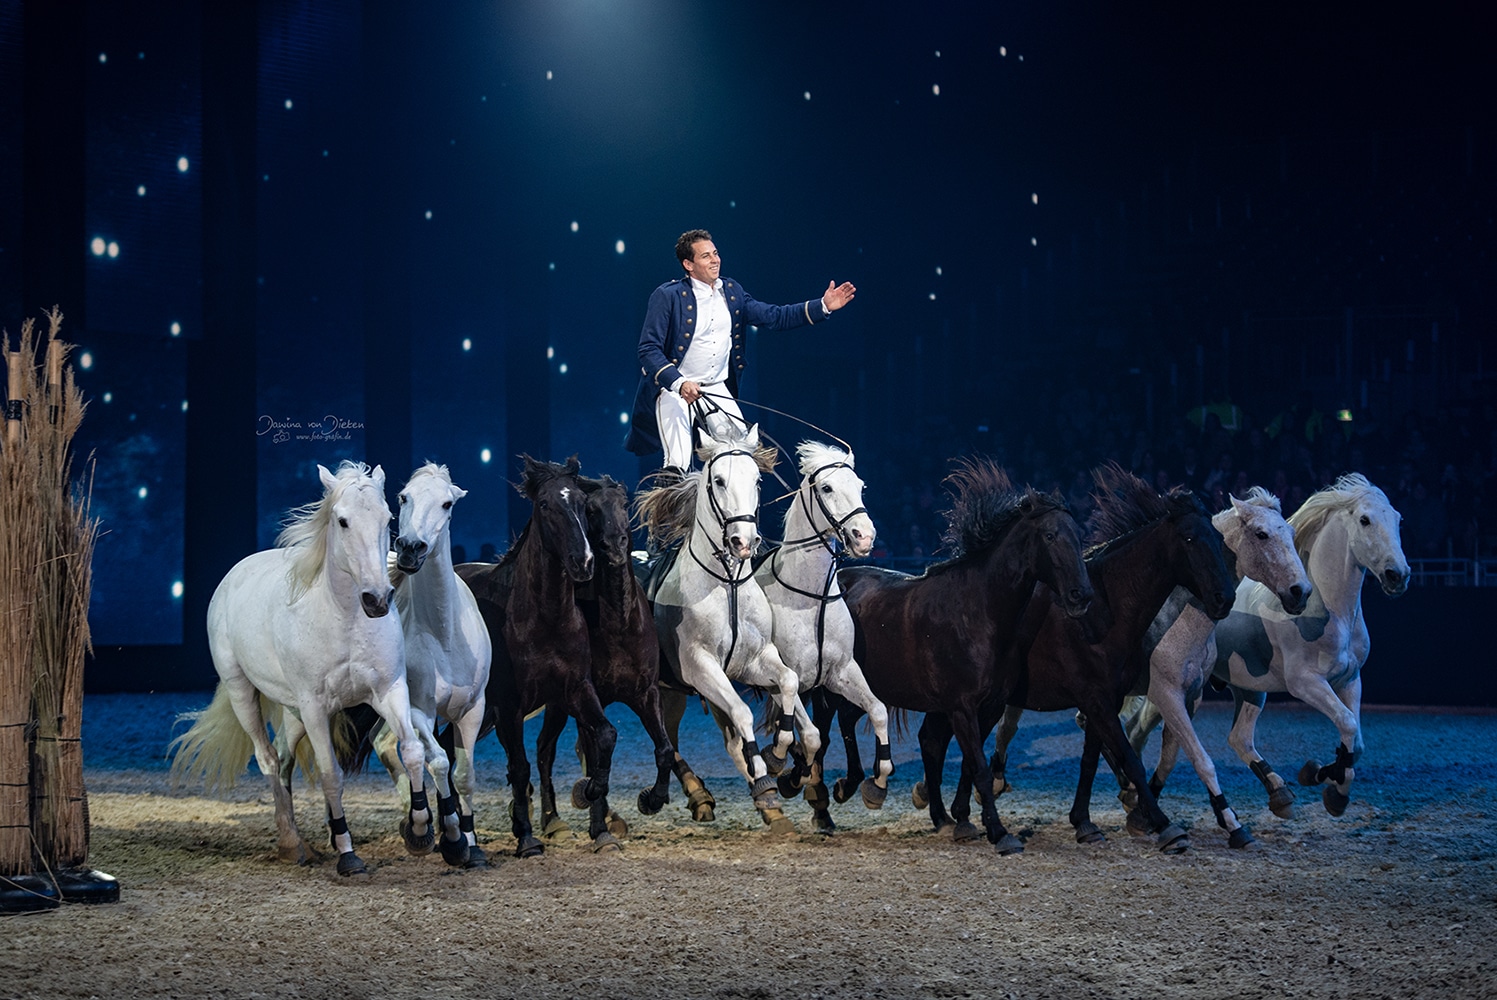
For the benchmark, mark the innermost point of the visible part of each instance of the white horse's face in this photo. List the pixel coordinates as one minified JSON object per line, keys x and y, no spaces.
{"x":837,"y":506}
{"x":425,"y":514}
{"x":730,"y":480}
{"x":359,"y":543}
{"x":1263,"y":543}
{"x":1373,"y":530}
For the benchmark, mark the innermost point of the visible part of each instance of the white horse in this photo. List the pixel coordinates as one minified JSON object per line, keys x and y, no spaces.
{"x":713,"y":620}
{"x":813,"y":629}
{"x":1342,"y":533}
{"x":304,"y":630}
{"x":447,"y":655}
{"x":1181,"y":645}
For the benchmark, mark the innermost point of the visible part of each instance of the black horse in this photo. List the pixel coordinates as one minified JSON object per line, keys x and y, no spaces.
{"x":1146,"y":545}
{"x":937,"y":642}
{"x":625,"y":659}
{"x":542,"y":649}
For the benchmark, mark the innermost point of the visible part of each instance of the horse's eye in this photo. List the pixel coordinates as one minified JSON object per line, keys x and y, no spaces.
{"x":1366,"y":520}
{"x":545,"y":505}
{"x":1049,"y":536}
{"x":342,"y":522}
{"x":1262,"y":535}
{"x":827,"y":488}
{"x":720,"y":482}
{"x":1190,"y":539}
{"x":447,"y":505}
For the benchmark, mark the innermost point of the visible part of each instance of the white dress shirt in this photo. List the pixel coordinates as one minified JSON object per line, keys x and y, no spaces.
{"x":706,"y":360}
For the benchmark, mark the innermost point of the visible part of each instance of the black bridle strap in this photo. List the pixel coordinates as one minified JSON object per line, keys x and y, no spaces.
{"x":729,"y":576}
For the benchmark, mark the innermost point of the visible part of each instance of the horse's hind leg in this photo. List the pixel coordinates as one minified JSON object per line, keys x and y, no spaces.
{"x":935,"y":738}
{"x":245,"y":699}
{"x":552,"y":724}
{"x":970,"y":738}
{"x":1103,"y":723}
{"x":647,"y":706}
{"x":314,"y":719}
{"x":1247,"y":706}
{"x":394,"y":707}
{"x":1179,"y":731}
{"x":848,"y":681}
{"x":1008,"y":728}
{"x":466,"y":729}
{"x":699,"y":800}
{"x":510,"y":727}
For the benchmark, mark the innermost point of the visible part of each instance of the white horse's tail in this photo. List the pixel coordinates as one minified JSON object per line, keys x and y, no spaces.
{"x":216,"y":748}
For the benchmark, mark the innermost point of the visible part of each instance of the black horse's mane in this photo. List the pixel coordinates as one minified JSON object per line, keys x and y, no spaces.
{"x":986,"y":504}
{"x":1125,"y":504}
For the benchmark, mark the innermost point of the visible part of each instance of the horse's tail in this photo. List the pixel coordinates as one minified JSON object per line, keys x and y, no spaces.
{"x":772,"y":714}
{"x":353,"y":736}
{"x":216,"y":748}
{"x":900,"y":717}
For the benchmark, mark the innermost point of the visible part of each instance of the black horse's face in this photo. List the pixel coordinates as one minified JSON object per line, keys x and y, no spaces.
{"x":1200,"y":564}
{"x":561,"y":518}
{"x":1057,"y":558}
{"x":608,"y":523}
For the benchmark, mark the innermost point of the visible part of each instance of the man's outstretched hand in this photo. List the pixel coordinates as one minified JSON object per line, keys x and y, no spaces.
{"x":837,"y":296}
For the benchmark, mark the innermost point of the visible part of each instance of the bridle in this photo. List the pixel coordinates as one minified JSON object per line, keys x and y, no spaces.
{"x":731,"y":566}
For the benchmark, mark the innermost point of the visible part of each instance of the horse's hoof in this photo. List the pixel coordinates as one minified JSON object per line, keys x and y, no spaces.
{"x":454,"y":852}
{"x":817,"y":797}
{"x":703,"y":812}
{"x":579,"y":794}
{"x":617,"y":825}
{"x":1009,"y":844}
{"x":1309,"y":774}
{"x":349,"y":864}
{"x":1000,"y":785}
{"x":530,"y":848}
{"x":300,"y":853}
{"x":1239,"y":838}
{"x":554,"y":827}
{"x":1172,"y":840}
{"x":1281,"y":802}
{"x":779,"y":824}
{"x":842,"y":789}
{"x":1335,"y":802}
{"x":418,"y":846}
{"x":606,"y":841}
{"x":700,"y":801}
{"x":788,"y":786}
{"x":762,"y":791}
{"x":1137,"y":825}
{"x":964,"y":831}
{"x":1089,"y":833}
{"x":647,"y":804}
{"x":822,"y":823}
{"x":1129,"y":798}
{"x":918,"y":798}
{"x":873,"y":796}
{"x":476,"y":857}
{"x":774,"y":763}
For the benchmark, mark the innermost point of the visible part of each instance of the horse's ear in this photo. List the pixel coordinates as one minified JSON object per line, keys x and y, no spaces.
{"x":1240,"y":507}
{"x":751,"y":439}
{"x":573,"y":466}
{"x":378,"y":475}
{"x":458,"y":492}
{"x":328,"y":479}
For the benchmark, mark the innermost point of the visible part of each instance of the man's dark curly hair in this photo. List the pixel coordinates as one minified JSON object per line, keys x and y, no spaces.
{"x":684,"y":242}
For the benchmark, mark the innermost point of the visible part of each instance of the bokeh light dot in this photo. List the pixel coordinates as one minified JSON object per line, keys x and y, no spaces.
{"x":142,"y":492}
{"x":85,"y":360}
{"x":288,"y":104}
{"x":103,"y":58}
{"x":114,"y":249}
{"x":618,"y":246}
{"x":575,"y":227}
{"x":467,"y":344}
{"x":108,"y":397}
{"x":563,"y":368}
{"x":935,"y":88}
{"x":1035,"y":198}
{"x":623,"y":417}
{"x":485,"y":455}
{"x":550,"y":352}
{"x":98,"y":246}
{"x":176,"y":329}
{"x":428,"y":213}
{"x":176,"y":588}
{"x":141,"y":190}
{"x":182,"y":164}
{"x":807,"y":95}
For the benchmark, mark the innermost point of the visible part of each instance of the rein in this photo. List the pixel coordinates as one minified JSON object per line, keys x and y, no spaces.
{"x":729,"y":575}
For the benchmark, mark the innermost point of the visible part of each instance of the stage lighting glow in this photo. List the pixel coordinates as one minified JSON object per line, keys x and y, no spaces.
{"x":108,"y":397}
{"x":623,"y":417}
{"x":618,"y":246}
{"x":141,"y":190}
{"x":103,"y":58}
{"x":485,"y":455}
{"x":551,"y":266}
{"x":1003,"y":51}
{"x":938,"y":270}
{"x":563,"y":368}
{"x":467,"y":344}
{"x":288,"y":104}
{"x":548,"y":74}
{"x":184,"y":406}
{"x":933,"y":296}
{"x":182,"y":164}
{"x":1344,"y":416}
{"x":935,"y":88}
{"x":550,"y":352}
{"x":176,"y":329}
{"x":114,"y":249}
{"x":733,"y":204}
{"x":807,"y":95}
{"x":98,"y":246}
{"x":1034,"y":241}
{"x":1035,"y":198}
{"x":575,"y":227}
{"x":428,"y":213}
{"x":142,"y":492}
{"x":938,"y":53}
{"x":85,"y":360}
{"x":176,"y":588}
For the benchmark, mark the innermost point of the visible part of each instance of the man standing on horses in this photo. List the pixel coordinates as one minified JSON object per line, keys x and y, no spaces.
{"x":691,"y":348}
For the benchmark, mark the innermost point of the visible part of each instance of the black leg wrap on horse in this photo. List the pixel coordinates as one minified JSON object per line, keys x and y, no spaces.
{"x":750,"y":750}
{"x":418,"y":800}
{"x":446,"y":807}
{"x":1262,"y":769}
{"x":787,"y":723}
{"x":1336,"y":772}
{"x":465,"y":823}
{"x":1219,"y":806}
{"x":883,"y":751}
{"x":338,"y":826}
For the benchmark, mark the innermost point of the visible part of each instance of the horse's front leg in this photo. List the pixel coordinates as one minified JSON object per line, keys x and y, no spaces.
{"x":769,"y":670}
{"x":935,"y":739}
{"x":290,"y":846}
{"x":1008,"y":728}
{"x":1247,"y":706}
{"x":394,"y":706}
{"x":1105,"y":729}
{"x":453,"y":844}
{"x":825,"y":705}
{"x":1180,"y":732}
{"x":1345,"y":711}
{"x":970,"y":739}
{"x":554,"y":721}
{"x":699,"y":800}
{"x":509,"y":725}
{"x":314,"y":719}
{"x":466,"y":729}
{"x":599,"y":738}
{"x":647,"y":705}
{"x":701,"y":671}
{"x":847,"y":681}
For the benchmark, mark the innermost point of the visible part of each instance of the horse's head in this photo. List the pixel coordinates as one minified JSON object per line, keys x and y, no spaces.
{"x":1053,"y":541}
{"x":608,"y":518}
{"x":1263,"y":544}
{"x":560,"y":514}
{"x":1373,"y":532}
{"x":831,"y":495}
{"x":425,"y":515}
{"x":728,"y":491}
{"x":1196,"y":556}
{"x":358,"y":533}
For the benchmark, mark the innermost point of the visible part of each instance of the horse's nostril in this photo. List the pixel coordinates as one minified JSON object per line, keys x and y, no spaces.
{"x":1296,"y":593}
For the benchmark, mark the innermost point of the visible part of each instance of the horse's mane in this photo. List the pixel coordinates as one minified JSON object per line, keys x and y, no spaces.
{"x":985,"y":504}
{"x":665,"y":512}
{"x":1125,"y":504}
{"x":813,"y":455}
{"x":1344,"y":494}
{"x":1260,"y":497}
{"x":432,"y":469}
{"x":305,"y":528}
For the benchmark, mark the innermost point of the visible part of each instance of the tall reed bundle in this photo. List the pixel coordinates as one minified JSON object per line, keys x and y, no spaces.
{"x":47,"y":592}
